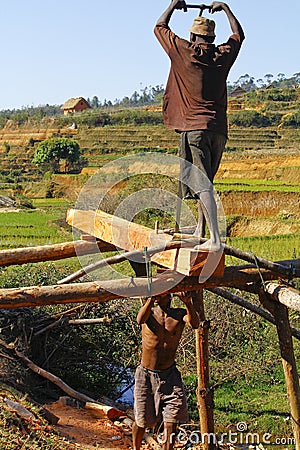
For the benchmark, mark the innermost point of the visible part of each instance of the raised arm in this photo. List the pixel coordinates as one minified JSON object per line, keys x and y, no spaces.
{"x":145,"y":311}
{"x":166,"y":16}
{"x":191,"y":318}
{"x":234,"y":23}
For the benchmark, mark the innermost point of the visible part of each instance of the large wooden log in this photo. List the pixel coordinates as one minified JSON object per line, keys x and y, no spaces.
{"x":51,"y":252}
{"x":136,"y":287}
{"x":130,"y":236}
{"x":103,"y":411}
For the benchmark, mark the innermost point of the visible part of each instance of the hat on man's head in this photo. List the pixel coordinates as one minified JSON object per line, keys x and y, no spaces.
{"x":203,"y":26}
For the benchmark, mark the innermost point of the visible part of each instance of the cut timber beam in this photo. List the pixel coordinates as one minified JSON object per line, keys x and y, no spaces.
{"x":130,"y":236}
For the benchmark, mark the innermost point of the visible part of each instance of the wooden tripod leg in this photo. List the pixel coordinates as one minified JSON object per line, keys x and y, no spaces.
{"x":281,"y":316}
{"x":204,"y":393}
{"x":178,"y":208}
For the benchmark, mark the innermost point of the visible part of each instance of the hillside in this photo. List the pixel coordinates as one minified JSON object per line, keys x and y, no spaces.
{"x":262,"y":123}
{"x":258,"y":183}
{"x":103,"y":144}
{"x":259,"y":173}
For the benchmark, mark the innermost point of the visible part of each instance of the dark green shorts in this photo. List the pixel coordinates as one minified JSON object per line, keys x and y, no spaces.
{"x":200,"y":152}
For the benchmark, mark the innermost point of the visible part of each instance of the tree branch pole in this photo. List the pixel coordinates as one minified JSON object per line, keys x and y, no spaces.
{"x":237,"y":300}
{"x":280,"y":268}
{"x":286,"y":295}
{"x":183,"y":241}
{"x":280,"y":313}
{"x":100,"y":292}
{"x":109,"y":411}
{"x":122,"y":257}
{"x":52,"y":252}
{"x":66,"y":321}
{"x":85,"y":247}
{"x":204,"y":393}
{"x":49,"y":376}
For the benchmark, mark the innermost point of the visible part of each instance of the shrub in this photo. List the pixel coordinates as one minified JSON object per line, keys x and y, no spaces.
{"x":51,"y":151}
{"x":249,"y":119}
{"x":136,"y":117}
{"x":291,"y":120}
{"x":273,"y":94}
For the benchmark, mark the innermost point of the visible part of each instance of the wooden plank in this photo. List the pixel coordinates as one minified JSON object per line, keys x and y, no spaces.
{"x":192,"y":263}
{"x":130,"y":236}
{"x":123,"y":234}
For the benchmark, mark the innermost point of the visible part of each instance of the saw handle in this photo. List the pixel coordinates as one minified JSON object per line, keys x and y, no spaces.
{"x":201,"y":7}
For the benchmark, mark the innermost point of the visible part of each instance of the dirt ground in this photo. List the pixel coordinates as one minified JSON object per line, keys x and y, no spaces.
{"x":85,"y":430}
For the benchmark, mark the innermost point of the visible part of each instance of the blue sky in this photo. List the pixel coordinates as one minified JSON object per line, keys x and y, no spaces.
{"x":54,"y":50}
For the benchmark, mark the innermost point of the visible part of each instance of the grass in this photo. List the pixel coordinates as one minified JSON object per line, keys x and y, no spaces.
{"x":50,"y":202}
{"x":273,"y":248}
{"x":30,"y":228}
{"x":255,"y":185}
{"x":262,"y":406}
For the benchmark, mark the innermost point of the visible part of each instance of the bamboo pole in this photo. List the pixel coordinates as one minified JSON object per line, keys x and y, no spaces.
{"x":204,"y":393}
{"x":280,"y":313}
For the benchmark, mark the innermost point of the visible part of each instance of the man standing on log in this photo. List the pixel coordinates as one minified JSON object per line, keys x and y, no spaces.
{"x":159,"y":392}
{"x":195,"y":105}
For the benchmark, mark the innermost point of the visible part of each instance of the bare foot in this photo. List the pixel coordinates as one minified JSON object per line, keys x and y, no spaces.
{"x":209,"y":246}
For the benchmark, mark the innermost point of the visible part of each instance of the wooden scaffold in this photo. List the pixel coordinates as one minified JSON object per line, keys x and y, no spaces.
{"x":179,"y":268}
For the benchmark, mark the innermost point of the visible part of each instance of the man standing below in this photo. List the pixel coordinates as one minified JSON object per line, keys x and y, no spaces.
{"x":195,"y":105}
{"x":158,"y":389}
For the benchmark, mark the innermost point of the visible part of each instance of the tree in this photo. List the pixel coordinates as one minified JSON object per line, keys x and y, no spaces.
{"x":50,"y":152}
{"x":246,"y":82}
{"x":260,"y":82}
{"x":268,"y":77}
{"x":95,"y":102}
{"x":296,"y":77}
{"x":280,"y":76}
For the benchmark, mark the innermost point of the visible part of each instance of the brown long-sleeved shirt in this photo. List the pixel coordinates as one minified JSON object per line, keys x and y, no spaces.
{"x":196,"y":95}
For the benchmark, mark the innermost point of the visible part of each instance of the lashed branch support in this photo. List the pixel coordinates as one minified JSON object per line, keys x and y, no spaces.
{"x":204,"y":393}
{"x":104,"y":291}
{"x":281,"y":316}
